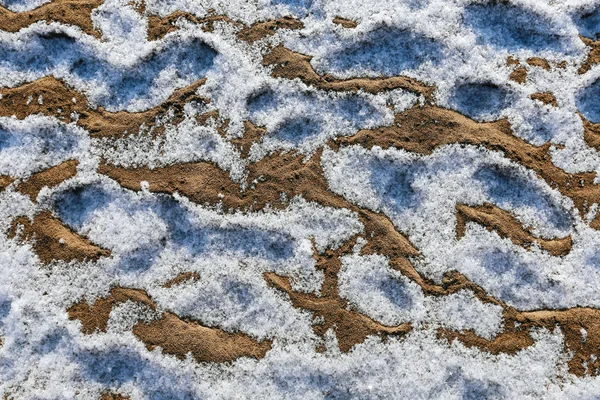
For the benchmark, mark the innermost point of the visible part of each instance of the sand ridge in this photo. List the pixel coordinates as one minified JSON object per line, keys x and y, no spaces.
{"x":68,"y":12}
{"x":172,"y":334}
{"x":60,"y":101}
{"x":496,"y":219}
{"x":291,"y":65}
{"x":52,"y":240}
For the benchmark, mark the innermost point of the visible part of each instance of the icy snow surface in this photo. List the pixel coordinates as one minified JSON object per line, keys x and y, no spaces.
{"x":300,"y":204}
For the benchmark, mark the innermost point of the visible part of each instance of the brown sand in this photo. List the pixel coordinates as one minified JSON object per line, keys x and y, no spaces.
{"x":518,"y":325}
{"x":68,"y":12}
{"x":205,"y":183}
{"x":78,"y":13}
{"x":519,"y":75}
{"x":538,"y":62}
{"x":511,"y":61}
{"x":350,"y":326}
{"x":261,"y":30}
{"x":421,"y":130}
{"x":346,"y":23}
{"x":252,"y":134}
{"x":52,"y":240}
{"x":5,"y":181}
{"x":50,"y":178}
{"x":507,"y":226}
{"x":158,"y":27}
{"x":545,"y":97}
{"x":290,"y":65}
{"x":172,"y":334}
{"x":593,"y":55}
{"x":94,"y":317}
{"x":58,"y":102}
{"x":113,"y":396}
{"x":591,"y":133}
{"x":181,"y":278}
{"x":179,"y":337}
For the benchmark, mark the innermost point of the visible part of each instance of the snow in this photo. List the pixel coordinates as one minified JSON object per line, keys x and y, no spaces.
{"x":459,"y":46}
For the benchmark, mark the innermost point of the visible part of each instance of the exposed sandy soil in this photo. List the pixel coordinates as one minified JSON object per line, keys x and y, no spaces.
{"x":519,"y":70}
{"x":503,"y":222}
{"x":265,"y":29}
{"x":69,"y":12}
{"x":545,"y":97}
{"x":52,"y":240}
{"x":519,"y":75}
{"x":591,"y":133}
{"x":291,"y":65}
{"x":346,"y":23}
{"x":350,"y":326}
{"x":538,"y":62}
{"x":60,"y":101}
{"x":174,"y":335}
{"x":78,"y":13}
{"x":286,"y":173}
{"x":593,"y":55}
{"x":158,"y":26}
{"x":518,"y":325}
{"x":48,"y":178}
{"x":423,"y":129}
{"x":113,"y":396}
{"x":182,"y":278}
